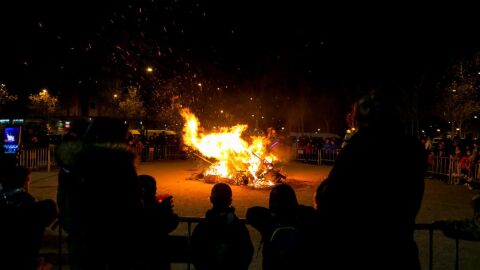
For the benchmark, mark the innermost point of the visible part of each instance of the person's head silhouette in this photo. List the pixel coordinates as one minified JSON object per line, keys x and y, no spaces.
{"x":282,"y":199}
{"x":376,"y":111}
{"x":149,"y":185}
{"x":221,"y":195}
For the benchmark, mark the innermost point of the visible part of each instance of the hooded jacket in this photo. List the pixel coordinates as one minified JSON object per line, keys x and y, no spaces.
{"x":99,"y":197}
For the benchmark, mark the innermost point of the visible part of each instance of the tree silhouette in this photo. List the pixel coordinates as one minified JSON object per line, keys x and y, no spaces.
{"x":5,"y":96}
{"x":43,"y":103}
{"x":131,"y":104}
{"x":460,"y":99}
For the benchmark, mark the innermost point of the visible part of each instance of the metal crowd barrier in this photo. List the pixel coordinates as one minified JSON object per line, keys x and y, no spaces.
{"x":161,"y":152}
{"x":186,"y":241}
{"x":316,"y":155}
{"x":37,"y":158}
{"x":450,"y":169}
{"x":445,"y":168}
{"x":43,"y":157}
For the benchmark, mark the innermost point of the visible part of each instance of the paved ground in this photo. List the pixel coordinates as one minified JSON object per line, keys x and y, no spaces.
{"x":441,"y":201}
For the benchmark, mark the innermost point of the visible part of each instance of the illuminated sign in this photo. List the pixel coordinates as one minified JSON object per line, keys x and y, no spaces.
{"x":17,"y":121}
{"x":11,"y":140}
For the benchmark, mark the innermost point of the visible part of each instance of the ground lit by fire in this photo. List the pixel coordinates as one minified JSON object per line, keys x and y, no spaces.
{"x":230,"y":155}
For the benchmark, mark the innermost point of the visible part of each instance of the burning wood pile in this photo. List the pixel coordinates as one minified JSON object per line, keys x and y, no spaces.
{"x":230,"y":158}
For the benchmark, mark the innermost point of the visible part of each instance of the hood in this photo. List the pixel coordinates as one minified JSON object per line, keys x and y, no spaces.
{"x":75,"y":154}
{"x":224,"y":216}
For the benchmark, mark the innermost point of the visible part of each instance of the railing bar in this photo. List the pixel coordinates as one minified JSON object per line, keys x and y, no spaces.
{"x":430,"y":247}
{"x":456,"y":254}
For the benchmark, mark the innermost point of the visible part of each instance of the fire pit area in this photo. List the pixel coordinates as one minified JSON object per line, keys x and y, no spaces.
{"x":231,"y":157}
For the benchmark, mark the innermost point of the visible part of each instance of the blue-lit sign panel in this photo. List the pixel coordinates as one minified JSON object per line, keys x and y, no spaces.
{"x":11,"y":140}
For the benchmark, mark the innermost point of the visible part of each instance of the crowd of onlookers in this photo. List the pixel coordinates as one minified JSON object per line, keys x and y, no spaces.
{"x":156,"y":146}
{"x":461,"y":153}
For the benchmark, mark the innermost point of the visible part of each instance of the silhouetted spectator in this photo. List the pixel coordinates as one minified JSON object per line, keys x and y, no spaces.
{"x":467,"y":229}
{"x":286,"y":229}
{"x":102,"y":198}
{"x":23,"y":222}
{"x":159,"y":220}
{"x":222,"y":241}
{"x":65,"y":188}
{"x":368,"y":204}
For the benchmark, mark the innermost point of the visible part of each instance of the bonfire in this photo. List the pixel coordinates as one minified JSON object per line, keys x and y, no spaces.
{"x":231,"y":158}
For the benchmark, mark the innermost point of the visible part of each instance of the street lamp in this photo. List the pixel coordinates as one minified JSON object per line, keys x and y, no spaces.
{"x":149,"y":69}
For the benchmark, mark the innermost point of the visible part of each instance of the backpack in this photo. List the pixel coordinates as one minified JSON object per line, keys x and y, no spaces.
{"x":284,"y":244}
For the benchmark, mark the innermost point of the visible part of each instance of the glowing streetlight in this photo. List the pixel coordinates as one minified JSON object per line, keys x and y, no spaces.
{"x":457,"y":129}
{"x":454,"y":90}
{"x":200,"y":84}
{"x":115,"y":96}
{"x":283,"y":128}
{"x":251,"y":98}
{"x":149,"y":69}
{"x":475,"y":117}
{"x":438,"y":130}
{"x":221,"y":111}
{"x":253,"y":115}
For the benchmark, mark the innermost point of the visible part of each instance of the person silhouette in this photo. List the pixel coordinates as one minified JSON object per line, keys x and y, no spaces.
{"x":368,"y":204}
{"x":159,"y":220}
{"x":286,"y":228}
{"x":222,"y":241}
{"x":101,"y":198}
{"x":24,"y":220}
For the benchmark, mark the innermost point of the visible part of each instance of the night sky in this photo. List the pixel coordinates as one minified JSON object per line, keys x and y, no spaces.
{"x":68,"y":45}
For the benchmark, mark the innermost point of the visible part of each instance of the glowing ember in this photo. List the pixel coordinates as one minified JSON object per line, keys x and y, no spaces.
{"x":234,"y":157}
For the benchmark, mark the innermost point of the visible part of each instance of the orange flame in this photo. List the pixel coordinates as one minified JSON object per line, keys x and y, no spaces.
{"x":232,"y":153}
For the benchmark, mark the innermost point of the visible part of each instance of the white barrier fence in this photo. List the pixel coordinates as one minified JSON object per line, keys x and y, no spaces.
{"x":450,"y":169}
{"x":37,"y":158}
{"x":40,"y":158}
{"x":453,"y":170}
{"x":315,"y":155}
